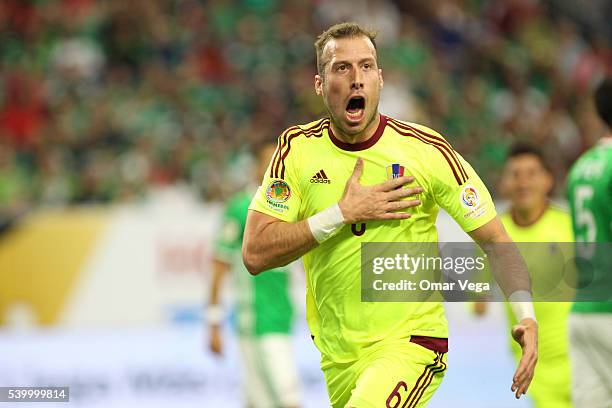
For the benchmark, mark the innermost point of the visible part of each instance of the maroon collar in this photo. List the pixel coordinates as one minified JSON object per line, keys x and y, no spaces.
{"x":366,"y":144}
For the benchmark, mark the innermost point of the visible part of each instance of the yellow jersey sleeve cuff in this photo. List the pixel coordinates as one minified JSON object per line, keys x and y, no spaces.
{"x":480,"y":221}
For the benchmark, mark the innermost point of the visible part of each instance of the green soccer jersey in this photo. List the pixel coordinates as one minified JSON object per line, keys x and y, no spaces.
{"x":263,"y":303}
{"x":308,"y":174}
{"x":589,"y":190}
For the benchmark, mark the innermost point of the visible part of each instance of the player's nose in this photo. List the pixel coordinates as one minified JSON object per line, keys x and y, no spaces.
{"x":356,"y":80}
{"x":356,"y":85}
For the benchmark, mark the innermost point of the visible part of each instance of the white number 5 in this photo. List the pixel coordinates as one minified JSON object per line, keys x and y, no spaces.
{"x":584,"y":220}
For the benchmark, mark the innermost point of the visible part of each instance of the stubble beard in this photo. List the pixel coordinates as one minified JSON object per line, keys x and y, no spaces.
{"x":351,"y":134}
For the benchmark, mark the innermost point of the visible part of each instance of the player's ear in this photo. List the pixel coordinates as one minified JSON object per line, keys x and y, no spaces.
{"x":318,"y":84}
{"x":380,"y":78}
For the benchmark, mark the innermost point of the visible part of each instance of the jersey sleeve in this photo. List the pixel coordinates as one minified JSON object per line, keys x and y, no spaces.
{"x":279,"y":194}
{"x":460,"y":191}
{"x":229,"y":240}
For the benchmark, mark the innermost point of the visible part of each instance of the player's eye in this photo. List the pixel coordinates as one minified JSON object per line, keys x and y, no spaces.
{"x":341,"y":67}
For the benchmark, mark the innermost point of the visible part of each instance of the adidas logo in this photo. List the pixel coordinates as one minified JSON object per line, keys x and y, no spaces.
{"x":320,"y":177}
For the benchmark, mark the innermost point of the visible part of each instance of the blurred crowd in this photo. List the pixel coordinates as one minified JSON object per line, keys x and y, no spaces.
{"x":102,"y":100}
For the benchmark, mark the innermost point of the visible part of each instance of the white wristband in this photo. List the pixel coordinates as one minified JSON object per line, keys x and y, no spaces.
{"x":327,"y":223}
{"x":214,"y":314}
{"x":521,"y":305}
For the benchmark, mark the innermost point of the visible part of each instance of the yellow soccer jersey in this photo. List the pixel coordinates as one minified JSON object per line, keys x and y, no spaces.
{"x":308,"y":173}
{"x":555,"y":225}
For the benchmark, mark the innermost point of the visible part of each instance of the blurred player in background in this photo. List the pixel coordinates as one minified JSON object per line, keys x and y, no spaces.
{"x":350,"y":169}
{"x":589,"y":188}
{"x":527,"y":182}
{"x":263,"y":307}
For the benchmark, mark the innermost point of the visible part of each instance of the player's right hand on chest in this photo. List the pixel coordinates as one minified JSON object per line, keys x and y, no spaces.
{"x":384,"y":201}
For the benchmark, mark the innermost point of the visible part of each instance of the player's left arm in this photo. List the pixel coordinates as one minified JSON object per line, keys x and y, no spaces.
{"x":227,"y":244}
{"x":507,"y":264}
{"x":459,"y":190}
{"x":509,"y":267}
{"x":214,"y":314}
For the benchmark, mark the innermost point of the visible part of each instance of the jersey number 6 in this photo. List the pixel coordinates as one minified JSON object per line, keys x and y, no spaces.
{"x":396,"y":395}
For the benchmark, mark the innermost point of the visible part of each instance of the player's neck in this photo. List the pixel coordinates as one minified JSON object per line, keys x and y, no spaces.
{"x":360,"y":137}
{"x":528,"y":217}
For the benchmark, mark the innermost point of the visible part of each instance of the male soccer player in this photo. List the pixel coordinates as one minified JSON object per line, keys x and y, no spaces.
{"x":263,"y":309}
{"x":527,"y":183}
{"x":327,"y":190}
{"x":589,"y":190}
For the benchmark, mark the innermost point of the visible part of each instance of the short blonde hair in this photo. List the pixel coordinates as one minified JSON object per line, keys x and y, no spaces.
{"x":341,"y":30}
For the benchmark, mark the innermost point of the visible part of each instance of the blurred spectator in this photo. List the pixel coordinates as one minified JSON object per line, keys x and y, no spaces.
{"x":100,"y":100}
{"x":15,"y":192}
{"x":23,"y":114}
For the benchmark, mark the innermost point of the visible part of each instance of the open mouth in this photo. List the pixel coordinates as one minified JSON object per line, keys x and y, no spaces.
{"x":355,"y":109}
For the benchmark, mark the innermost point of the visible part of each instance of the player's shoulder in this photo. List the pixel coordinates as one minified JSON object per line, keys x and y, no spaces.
{"x":595,"y":160}
{"x":560,"y":220}
{"x":603,"y":146}
{"x":434,"y":150}
{"x":559,"y":214}
{"x":416,"y":130}
{"x":559,"y":210}
{"x":600,"y":151}
{"x":419,"y":136}
{"x":300,"y":132}
{"x":295,"y":142}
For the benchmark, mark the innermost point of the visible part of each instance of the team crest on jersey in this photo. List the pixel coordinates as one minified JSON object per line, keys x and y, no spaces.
{"x":395,"y":170}
{"x":278,"y":191}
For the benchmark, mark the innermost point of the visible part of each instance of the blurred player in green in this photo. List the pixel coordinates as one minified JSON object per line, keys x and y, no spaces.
{"x":527,"y":183}
{"x":263,"y":325}
{"x":589,"y":188}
